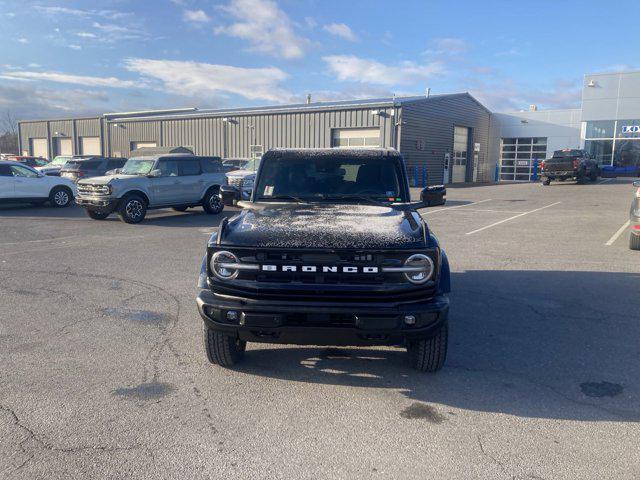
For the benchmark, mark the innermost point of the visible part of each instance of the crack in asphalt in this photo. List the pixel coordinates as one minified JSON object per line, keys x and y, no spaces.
{"x":46,"y":445}
{"x":492,"y":458}
{"x":154,"y":354}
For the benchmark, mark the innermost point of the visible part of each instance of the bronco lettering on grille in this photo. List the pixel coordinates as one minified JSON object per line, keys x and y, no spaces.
{"x":316,"y":269}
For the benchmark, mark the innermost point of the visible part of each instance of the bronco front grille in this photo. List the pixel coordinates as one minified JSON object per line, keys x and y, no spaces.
{"x":337,"y":287}
{"x":90,"y":189}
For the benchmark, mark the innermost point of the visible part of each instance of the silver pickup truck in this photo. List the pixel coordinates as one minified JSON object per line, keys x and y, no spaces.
{"x":154,"y":178}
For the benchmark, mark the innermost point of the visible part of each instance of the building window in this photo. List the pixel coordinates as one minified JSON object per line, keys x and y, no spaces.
{"x":518,"y":157}
{"x":614,"y":143}
{"x":355,"y":137}
{"x":600,"y":129}
{"x":136,"y":145}
{"x":601,"y":150}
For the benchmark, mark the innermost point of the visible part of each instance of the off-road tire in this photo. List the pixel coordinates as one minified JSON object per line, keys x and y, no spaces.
{"x":211,"y":202}
{"x":429,"y":354}
{"x":132,"y":209}
{"x":222,"y":349}
{"x":96,"y":215}
{"x":60,"y":197}
{"x":180,"y":209}
{"x":634,"y":241}
{"x":546,"y":181}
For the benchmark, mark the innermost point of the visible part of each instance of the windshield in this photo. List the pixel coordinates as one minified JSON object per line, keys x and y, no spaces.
{"x":252,"y":164}
{"x":567,"y":153}
{"x":60,"y":160}
{"x":335,"y":177}
{"x":137,"y":166}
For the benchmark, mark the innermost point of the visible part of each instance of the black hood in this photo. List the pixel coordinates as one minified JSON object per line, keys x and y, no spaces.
{"x":324,"y":226}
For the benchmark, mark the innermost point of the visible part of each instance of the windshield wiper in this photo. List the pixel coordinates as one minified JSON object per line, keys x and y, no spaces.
{"x":283,"y":197}
{"x":370,"y":200}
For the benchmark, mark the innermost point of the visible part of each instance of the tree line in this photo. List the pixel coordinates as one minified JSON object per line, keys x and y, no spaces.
{"x":9,"y":133}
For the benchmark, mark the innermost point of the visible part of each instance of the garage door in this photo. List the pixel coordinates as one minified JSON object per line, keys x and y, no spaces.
{"x":355,"y":137}
{"x":135,"y":145}
{"x":90,"y":146}
{"x":39,"y":147}
{"x":62,"y":146}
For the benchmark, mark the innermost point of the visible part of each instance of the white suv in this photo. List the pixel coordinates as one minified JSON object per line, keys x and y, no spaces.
{"x":22,"y":184}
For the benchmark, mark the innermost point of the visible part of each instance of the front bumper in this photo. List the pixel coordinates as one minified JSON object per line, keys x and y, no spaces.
{"x":102,"y":204}
{"x":316,"y":323}
{"x":231,"y":195}
{"x":564,"y":174}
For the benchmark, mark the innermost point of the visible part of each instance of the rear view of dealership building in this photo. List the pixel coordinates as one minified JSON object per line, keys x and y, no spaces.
{"x":449,"y":138}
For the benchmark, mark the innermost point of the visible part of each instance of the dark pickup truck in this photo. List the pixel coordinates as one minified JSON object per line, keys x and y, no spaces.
{"x":328,"y":251}
{"x":569,"y":164}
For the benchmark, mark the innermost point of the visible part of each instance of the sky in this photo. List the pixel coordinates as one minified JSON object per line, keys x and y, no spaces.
{"x":69,"y":58}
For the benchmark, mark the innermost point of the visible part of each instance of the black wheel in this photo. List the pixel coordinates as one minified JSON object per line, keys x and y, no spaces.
{"x":96,"y":215}
{"x":222,"y":349}
{"x":61,"y":197}
{"x":634,"y":241}
{"x":132,"y":209}
{"x":180,"y":209}
{"x":546,"y":181}
{"x":212,"y":203}
{"x":593,"y":176}
{"x":582,"y":179}
{"x":429,"y":354}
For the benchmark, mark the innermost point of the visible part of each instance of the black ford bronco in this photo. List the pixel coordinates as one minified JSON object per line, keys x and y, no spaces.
{"x":328,"y":251}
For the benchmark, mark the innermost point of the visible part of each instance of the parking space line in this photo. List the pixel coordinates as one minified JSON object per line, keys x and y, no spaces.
{"x":605,"y":180}
{"x":511,"y":218}
{"x":457,"y":206}
{"x":618,"y":233}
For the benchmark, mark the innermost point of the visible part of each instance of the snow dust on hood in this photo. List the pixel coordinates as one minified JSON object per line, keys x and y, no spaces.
{"x":343,"y":226}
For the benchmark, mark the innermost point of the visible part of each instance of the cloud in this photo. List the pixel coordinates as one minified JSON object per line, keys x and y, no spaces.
{"x":23,"y":40}
{"x":76,"y":12}
{"x":356,"y":69}
{"x":73,"y":46}
{"x":197,"y":16}
{"x":26,"y":100}
{"x":341,"y":30}
{"x":447,"y":46}
{"x":113,"y":32}
{"x":88,"y":81}
{"x":210,"y":80}
{"x":86,"y":35}
{"x":265,"y":26}
{"x":507,"y":95}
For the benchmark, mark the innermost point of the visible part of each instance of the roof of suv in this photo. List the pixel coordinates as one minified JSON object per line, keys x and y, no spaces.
{"x":294,"y":153}
{"x":160,"y":151}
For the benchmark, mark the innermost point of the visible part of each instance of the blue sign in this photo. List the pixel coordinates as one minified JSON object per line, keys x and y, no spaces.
{"x":631,"y":129}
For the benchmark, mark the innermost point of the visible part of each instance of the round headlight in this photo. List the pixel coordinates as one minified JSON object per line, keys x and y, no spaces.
{"x":421,"y":268}
{"x":220,"y":262}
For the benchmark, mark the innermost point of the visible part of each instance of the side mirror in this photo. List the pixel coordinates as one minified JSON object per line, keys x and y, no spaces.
{"x":155,"y":173}
{"x":433,"y":195}
{"x":636,"y":183}
{"x":108,"y":173}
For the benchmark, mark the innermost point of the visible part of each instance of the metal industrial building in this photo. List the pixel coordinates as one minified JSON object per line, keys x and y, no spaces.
{"x":444,"y":138}
{"x":432,"y":132}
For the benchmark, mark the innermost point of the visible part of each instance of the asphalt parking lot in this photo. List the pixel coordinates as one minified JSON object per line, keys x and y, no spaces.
{"x":103,"y":373}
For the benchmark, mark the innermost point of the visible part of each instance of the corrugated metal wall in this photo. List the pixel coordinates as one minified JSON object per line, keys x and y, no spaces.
{"x":427,"y":134}
{"x":89,"y":127}
{"x":213,"y":136}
